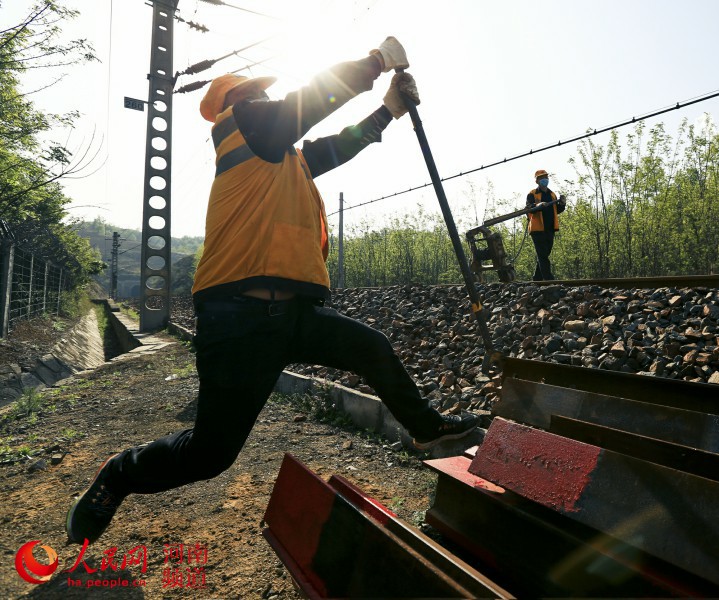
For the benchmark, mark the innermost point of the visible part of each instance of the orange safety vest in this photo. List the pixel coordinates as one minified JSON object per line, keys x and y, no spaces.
{"x":536,"y":220}
{"x":263,"y":219}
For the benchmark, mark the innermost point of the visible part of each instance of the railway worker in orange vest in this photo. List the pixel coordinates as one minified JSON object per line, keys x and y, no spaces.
{"x":543,"y":222}
{"x":261,"y":284}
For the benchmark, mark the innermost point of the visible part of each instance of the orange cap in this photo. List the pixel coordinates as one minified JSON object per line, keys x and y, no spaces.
{"x":211,"y":104}
{"x":541,"y":173}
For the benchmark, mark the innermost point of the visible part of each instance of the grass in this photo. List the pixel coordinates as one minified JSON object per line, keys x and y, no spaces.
{"x":59,"y":326}
{"x":130,"y":312}
{"x":319,"y":406}
{"x":24,"y":412}
{"x":71,"y":434}
{"x":102,"y":321}
{"x":28,"y":404}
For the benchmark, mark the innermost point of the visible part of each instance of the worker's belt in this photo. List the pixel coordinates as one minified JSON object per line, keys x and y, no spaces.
{"x":247,"y":305}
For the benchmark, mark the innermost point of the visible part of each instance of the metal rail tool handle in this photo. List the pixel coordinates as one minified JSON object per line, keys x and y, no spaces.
{"x":491,"y":355}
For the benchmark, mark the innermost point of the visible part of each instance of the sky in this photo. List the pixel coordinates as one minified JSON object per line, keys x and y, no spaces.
{"x":496,"y":79}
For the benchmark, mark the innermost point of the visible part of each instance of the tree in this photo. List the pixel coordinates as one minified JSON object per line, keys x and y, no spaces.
{"x":31,"y":199}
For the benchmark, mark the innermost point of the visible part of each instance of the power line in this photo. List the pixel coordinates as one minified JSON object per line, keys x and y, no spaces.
{"x":203,"y":65}
{"x":247,"y":10}
{"x":678,"y":105}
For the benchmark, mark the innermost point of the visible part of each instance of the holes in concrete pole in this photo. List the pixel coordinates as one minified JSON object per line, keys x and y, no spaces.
{"x":159,"y":143}
{"x":156,"y":222}
{"x":156,"y":263}
{"x":155,"y":282}
{"x":161,"y":72}
{"x":162,"y":27}
{"x":159,"y":124}
{"x":162,"y":49}
{"x":157,"y":202}
{"x":160,"y":92}
{"x":160,"y":106}
{"x":163,"y":14}
{"x":158,"y":183}
{"x":159,"y":163}
{"x":156,"y":242}
{"x":155,"y":302}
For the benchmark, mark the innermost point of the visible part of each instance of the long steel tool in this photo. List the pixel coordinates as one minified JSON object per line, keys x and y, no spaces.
{"x":491,"y":355}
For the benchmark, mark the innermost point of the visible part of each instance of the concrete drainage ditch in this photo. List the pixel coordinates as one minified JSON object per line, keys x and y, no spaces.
{"x":82,"y":349}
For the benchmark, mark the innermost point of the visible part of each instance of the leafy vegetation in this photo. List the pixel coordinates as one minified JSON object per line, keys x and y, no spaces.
{"x":31,"y":163}
{"x":648,"y":207}
{"x":100,"y":233}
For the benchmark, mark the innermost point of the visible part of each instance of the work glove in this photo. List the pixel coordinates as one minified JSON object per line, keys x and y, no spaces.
{"x":562,"y":200}
{"x":402,"y":84}
{"x":391,"y":55}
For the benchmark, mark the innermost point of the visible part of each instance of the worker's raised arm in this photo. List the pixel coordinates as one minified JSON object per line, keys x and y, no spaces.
{"x":326,"y":153}
{"x":330,"y":152}
{"x":269,"y":127}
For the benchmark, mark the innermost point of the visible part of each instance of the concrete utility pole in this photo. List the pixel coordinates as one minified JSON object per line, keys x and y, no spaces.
{"x":155,"y":267}
{"x":113,"y":264}
{"x":341,"y":253}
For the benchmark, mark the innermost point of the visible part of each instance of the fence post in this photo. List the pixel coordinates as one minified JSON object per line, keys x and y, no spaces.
{"x":44,"y":287}
{"x":29,"y":289}
{"x":341,"y":254}
{"x":8,"y":260}
{"x":59,"y":289}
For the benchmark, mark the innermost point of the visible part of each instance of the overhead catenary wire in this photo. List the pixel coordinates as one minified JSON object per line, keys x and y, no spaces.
{"x":203,"y":65}
{"x":247,"y":10}
{"x":532,"y":152}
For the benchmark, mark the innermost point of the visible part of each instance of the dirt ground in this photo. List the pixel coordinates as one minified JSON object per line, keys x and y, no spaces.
{"x":30,"y":339}
{"x":51,"y":446}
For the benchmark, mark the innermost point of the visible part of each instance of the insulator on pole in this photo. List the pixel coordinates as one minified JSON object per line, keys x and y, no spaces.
{"x":197,"y":26}
{"x":192,"y":24}
{"x":203,"y":65}
{"x":191,"y":87}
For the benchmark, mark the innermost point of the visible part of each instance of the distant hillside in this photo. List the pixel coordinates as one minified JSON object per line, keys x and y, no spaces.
{"x":182,"y":255}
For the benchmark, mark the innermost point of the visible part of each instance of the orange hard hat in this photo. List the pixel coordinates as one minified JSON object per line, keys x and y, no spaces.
{"x":211,"y":105}
{"x":541,"y":173}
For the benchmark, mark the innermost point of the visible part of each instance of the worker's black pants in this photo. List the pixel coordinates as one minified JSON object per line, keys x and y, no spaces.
{"x":543,"y":242}
{"x":242,"y":345}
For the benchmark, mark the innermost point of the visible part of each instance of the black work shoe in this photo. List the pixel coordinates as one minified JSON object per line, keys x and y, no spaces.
{"x":453,"y":427}
{"x":93,"y":511}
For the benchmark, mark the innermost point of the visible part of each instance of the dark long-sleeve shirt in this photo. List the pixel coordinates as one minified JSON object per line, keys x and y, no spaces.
{"x":271,"y":128}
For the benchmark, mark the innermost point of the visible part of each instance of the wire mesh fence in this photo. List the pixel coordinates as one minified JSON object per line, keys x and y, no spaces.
{"x":30,"y":285}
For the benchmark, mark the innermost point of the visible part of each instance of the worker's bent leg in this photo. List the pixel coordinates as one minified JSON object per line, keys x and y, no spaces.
{"x":328,"y":338}
{"x":240,"y":355}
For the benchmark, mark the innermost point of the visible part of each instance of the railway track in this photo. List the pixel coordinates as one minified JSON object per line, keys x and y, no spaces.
{"x":642,"y":283}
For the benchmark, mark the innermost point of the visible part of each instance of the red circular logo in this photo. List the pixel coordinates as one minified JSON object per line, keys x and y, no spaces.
{"x":26,"y":565}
